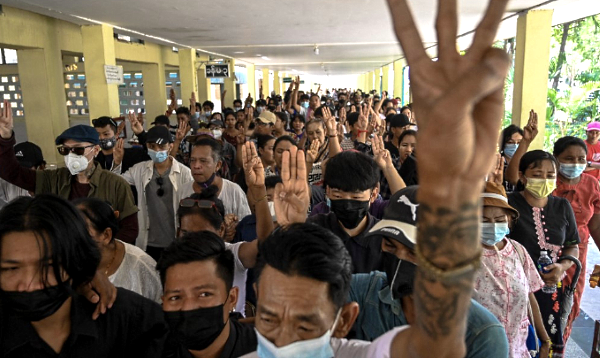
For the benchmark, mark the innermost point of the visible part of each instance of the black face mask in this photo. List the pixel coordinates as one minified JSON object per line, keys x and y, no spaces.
{"x":36,"y":305}
{"x":106,"y":144}
{"x":350,"y":212}
{"x":400,"y":275}
{"x":196,"y":329}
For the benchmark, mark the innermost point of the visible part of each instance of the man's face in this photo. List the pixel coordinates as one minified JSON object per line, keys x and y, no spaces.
{"x":196,"y":223}
{"x":237,"y":104}
{"x":90,"y":150}
{"x":292,"y":308}
{"x":398,"y":249}
{"x":593,"y":136}
{"x":314,"y":102}
{"x":207,"y":109}
{"x":105,"y":132}
{"x":196,"y":285}
{"x":202,"y":164}
{"x":160,"y":147}
{"x":182,"y":117}
{"x":262,"y":128}
{"x":283,"y":146}
{"x":337,"y":194}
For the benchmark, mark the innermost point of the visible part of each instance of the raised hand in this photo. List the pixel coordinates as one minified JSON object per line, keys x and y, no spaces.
{"x":136,"y":126}
{"x":230,"y":221}
{"x":173,"y":104}
{"x":193,"y":104}
{"x":118,"y":152}
{"x":342,"y":114}
{"x":382,"y":156}
{"x":253,"y":167}
{"x":363,"y":117}
{"x":497,"y":174}
{"x":120,"y":129}
{"x":240,"y":138}
{"x":530,"y":131}
{"x":292,"y":196}
{"x":182,"y":131}
{"x":313,"y":151}
{"x":329,"y":121}
{"x":6,"y":121}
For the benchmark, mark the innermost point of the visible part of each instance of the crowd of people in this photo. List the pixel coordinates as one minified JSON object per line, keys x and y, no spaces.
{"x":302,"y":224}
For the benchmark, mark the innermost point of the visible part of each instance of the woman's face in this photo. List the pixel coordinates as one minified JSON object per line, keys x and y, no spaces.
{"x":297,"y":125}
{"x":407,"y":146}
{"x":408,"y":113}
{"x":544,"y":170}
{"x":230,"y":121}
{"x":283,"y":146}
{"x":574,"y":154}
{"x":494,"y":214}
{"x":266,"y":153}
{"x":21,"y":263}
{"x":516,"y":138}
{"x":314,"y":131}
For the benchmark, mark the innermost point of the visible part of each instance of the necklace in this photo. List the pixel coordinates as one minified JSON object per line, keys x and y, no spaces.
{"x":111,"y":261}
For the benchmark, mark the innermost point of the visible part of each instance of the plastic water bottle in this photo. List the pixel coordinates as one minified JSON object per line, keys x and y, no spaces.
{"x":544,"y":261}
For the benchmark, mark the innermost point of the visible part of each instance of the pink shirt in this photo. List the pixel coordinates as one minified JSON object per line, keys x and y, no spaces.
{"x":502,"y":285}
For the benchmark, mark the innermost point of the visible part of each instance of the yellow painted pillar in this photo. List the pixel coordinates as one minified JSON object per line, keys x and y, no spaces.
{"x":99,"y":50}
{"x":365,"y":86}
{"x":385,"y":78}
{"x":251,"y":78}
{"x":43,"y":91}
{"x":398,"y":72}
{"x":266,"y":83}
{"x":276,"y":82}
{"x":532,"y":57}
{"x":360,"y":80}
{"x":370,"y":82}
{"x":203,"y":82}
{"x":155,"y":95}
{"x":378,"y":80}
{"x":187,"y":73}
{"x":230,"y":86}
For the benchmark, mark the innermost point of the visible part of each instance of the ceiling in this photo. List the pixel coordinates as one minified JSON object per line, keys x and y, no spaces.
{"x":353,"y":36}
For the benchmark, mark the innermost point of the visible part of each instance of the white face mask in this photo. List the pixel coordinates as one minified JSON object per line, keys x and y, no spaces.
{"x":217,"y":133}
{"x":76,"y":163}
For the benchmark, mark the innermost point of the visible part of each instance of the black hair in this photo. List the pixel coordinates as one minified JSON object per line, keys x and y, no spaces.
{"x":304,"y":97}
{"x":262,"y":140}
{"x":62,"y":232}
{"x":198,"y":246}
{"x":183,"y":110}
{"x":385,"y":102}
{"x":563,"y":143}
{"x":215,"y":219}
{"x":229,"y":113}
{"x":100,"y":214}
{"x":283,"y":117}
{"x":314,"y":95}
{"x":237,"y":100}
{"x":351,"y":171}
{"x":308,"y":250}
{"x":406,"y":133}
{"x":319,"y":111}
{"x":272,"y":181}
{"x":317,"y":121}
{"x":208,"y":103}
{"x":104,"y":121}
{"x":352,"y":118}
{"x":507,"y":133}
{"x":212,"y":116}
{"x":215,"y":146}
{"x":300,"y":118}
{"x":283,"y":138}
{"x":261,"y":103}
{"x":534,"y":159}
{"x":404,"y":108}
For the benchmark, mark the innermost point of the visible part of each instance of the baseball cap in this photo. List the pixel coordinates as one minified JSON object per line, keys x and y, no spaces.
{"x":399,"y":120}
{"x":29,"y":155}
{"x":267,"y":117}
{"x":162,"y":119}
{"x":79,"y":133}
{"x":593,"y":126}
{"x":399,"y":220}
{"x":159,"y":135}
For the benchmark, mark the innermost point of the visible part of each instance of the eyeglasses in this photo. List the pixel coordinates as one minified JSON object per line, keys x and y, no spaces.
{"x":160,"y":192}
{"x":202,"y":204}
{"x":64,"y":151}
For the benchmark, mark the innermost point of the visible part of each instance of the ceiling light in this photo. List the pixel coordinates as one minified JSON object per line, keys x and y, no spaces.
{"x":258,"y":55}
{"x":266,"y":58}
{"x":316,"y":50}
{"x":239,"y":52}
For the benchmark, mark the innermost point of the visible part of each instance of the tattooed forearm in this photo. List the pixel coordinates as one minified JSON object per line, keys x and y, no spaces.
{"x":447,"y":238}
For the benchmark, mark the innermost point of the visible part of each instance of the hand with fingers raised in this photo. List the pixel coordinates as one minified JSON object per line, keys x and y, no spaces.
{"x":6,"y":120}
{"x":292,"y":196}
{"x":136,"y":126}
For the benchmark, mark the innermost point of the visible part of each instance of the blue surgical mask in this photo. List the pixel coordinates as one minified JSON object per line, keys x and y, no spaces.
{"x":305,"y":104}
{"x":158,"y":157}
{"x":572,"y":171}
{"x":493,"y":233}
{"x":319,"y":347}
{"x":510,"y":149}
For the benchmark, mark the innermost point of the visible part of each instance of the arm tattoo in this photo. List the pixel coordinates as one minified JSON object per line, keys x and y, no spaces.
{"x":448,"y":238}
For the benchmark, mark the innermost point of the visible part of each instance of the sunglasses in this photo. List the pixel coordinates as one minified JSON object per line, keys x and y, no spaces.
{"x":202,"y":204}
{"x":64,"y":151}
{"x":160,"y":192}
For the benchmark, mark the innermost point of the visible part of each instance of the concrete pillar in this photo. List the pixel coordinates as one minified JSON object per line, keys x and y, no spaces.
{"x":230,"y":86}
{"x":398,"y":72}
{"x":251,"y":78}
{"x":203,"y":82}
{"x":154,"y":89}
{"x":385,"y":78}
{"x":370,"y":81}
{"x":188,"y":73}
{"x":378,"y":80}
{"x":98,"y":51}
{"x":532,"y":57}
{"x":276,"y":82}
{"x":266,"y":83}
{"x":43,"y":91}
{"x":360,"y":80}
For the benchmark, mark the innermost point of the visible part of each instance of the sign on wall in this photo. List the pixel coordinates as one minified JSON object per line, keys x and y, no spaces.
{"x":114,"y":74}
{"x":217,"y":71}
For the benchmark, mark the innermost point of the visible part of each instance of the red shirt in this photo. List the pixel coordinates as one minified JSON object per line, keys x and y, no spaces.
{"x":594,"y":156}
{"x":585,"y":201}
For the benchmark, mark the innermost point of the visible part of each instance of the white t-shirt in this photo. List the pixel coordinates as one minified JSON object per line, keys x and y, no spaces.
{"x":233,"y":198}
{"x":138,"y":273}
{"x":354,"y":348}
{"x":239,"y":276}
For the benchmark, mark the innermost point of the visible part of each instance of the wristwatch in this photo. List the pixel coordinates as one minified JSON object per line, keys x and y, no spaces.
{"x":589,"y":164}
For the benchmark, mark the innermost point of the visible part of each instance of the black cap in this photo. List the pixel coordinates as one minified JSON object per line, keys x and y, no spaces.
{"x":102,"y":122}
{"x":162,"y":119}
{"x":399,"y":120}
{"x":159,"y":135}
{"x":29,"y":155}
{"x":399,"y":220}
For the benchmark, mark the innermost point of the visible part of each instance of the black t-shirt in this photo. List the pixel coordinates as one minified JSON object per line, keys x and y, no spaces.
{"x":133,"y":327}
{"x":365,"y":251}
{"x":393,"y":150}
{"x":543,"y":229}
